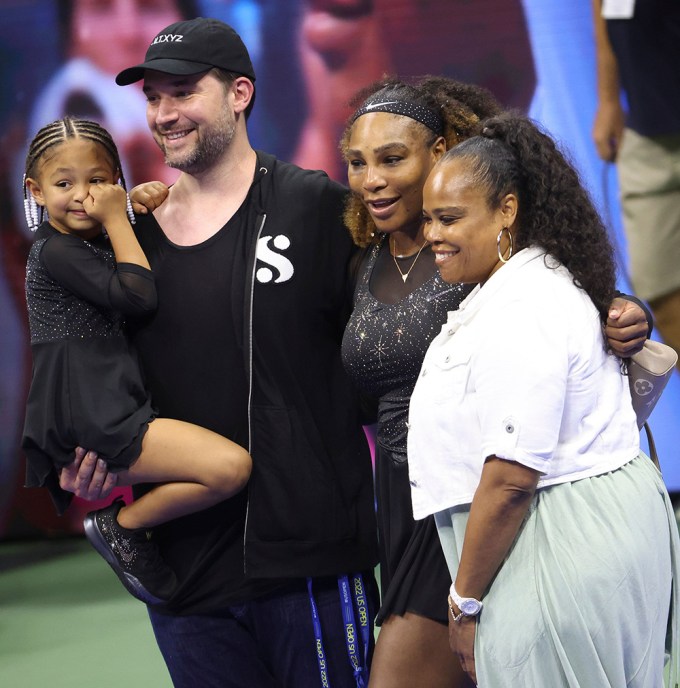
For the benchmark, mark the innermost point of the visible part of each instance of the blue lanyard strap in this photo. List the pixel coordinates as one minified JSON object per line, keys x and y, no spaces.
{"x":349,"y":596}
{"x":346,"y":602}
{"x":320,"y":654}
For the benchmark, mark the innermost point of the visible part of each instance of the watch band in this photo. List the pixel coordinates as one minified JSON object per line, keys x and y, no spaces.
{"x":456,"y":617}
{"x":468,"y":606}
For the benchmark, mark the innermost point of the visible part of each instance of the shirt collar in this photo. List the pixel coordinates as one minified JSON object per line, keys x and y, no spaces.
{"x":479,"y":296}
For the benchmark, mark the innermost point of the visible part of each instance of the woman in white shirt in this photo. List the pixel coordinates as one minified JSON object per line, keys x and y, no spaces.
{"x":559,"y":534}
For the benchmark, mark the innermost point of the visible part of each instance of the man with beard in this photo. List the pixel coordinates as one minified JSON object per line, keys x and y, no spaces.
{"x":250,"y":258}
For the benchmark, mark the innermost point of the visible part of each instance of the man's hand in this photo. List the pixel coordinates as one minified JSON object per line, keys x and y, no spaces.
{"x":148,"y":196}
{"x":87,"y":477}
{"x":626,"y":328}
{"x":608,"y":130}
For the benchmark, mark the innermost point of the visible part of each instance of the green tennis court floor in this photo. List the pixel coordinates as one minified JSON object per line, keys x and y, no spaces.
{"x":66,"y":621}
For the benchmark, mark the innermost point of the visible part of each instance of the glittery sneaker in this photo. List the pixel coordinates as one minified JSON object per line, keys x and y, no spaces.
{"x":132,"y":554}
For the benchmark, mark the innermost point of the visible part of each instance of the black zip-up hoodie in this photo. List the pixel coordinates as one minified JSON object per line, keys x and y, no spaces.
{"x":311,"y":504}
{"x":308,"y":509}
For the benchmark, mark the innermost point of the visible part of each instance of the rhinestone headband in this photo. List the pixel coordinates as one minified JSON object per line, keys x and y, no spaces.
{"x":406,"y":108}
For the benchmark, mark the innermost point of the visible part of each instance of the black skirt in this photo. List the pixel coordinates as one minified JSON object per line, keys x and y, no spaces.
{"x":86,"y":393}
{"x":414,"y":576}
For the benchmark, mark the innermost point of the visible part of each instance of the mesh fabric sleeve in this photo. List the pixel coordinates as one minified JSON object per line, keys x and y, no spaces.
{"x":76,"y":266}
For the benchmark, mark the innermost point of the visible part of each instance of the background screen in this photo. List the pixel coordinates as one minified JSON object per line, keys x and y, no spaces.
{"x":309,"y":57}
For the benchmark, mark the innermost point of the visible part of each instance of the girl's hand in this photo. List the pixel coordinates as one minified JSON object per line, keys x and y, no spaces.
{"x":148,"y":196}
{"x":105,"y":203}
{"x":462,"y":642}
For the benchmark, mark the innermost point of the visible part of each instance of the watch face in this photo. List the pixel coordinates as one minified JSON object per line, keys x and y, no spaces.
{"x":470,"y":607}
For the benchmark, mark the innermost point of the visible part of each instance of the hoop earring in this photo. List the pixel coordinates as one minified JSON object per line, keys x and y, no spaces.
{"x":498,"y":245}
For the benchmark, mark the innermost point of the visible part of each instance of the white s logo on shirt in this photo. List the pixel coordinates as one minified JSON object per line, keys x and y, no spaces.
{"x":275,"y":260}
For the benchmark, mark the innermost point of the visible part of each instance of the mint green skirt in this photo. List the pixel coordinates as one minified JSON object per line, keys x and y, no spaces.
{"x":588,"y":595}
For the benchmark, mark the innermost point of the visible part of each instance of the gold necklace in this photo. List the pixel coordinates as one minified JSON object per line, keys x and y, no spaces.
{"x":404,"y":276}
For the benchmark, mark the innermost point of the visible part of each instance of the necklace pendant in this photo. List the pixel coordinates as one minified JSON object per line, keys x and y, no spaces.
{"x":404,"y":275}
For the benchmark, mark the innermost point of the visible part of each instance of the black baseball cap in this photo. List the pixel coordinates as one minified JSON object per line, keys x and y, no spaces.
{"x":192,"y":47}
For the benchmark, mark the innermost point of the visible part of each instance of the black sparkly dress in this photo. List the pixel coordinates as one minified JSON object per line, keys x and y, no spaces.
{"x":383,"y":349}
{"x":86,"y":388}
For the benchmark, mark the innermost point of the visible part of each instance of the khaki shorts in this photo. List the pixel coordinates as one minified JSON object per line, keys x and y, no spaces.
{"x":649,"y":181}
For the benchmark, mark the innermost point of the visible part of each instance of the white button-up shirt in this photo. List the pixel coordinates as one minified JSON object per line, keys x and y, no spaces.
{"x":520,"y":372}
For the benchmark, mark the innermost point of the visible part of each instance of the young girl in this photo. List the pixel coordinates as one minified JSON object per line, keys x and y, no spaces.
{"x":87,"y":388}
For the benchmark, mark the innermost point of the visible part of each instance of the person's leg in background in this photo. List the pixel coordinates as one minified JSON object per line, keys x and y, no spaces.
{"x":666,"y":310}
{"x":649,"y":180}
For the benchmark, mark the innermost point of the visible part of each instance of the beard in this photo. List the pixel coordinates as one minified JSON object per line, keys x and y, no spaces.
{"x":211,"y":143}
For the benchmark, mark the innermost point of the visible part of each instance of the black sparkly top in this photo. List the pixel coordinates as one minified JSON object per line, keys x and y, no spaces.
{"x":384,"y":344}
{"x":75,"y":290}
{"x":87,"y":388}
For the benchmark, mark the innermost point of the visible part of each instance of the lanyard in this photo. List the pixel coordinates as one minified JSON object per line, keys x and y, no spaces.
{"x":346,"y":602}
{"x":320,"y":654}
{"x":360,"y":670}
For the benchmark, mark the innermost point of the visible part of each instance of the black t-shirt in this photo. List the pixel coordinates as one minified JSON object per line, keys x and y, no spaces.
{"x":647,"y":49}
{"x":194,"y":365}
{"x":194,"y":333}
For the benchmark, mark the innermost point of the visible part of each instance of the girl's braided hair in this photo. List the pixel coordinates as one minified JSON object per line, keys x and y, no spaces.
{"x":52,"y":135}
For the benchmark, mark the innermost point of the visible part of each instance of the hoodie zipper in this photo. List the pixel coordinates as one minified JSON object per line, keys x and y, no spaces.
{"x":250,"y":376}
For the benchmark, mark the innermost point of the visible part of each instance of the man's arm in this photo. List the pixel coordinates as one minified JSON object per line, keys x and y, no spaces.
{"x":609,"y":117}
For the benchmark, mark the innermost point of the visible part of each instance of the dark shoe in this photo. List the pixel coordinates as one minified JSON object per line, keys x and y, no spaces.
{"x":131,"y":554}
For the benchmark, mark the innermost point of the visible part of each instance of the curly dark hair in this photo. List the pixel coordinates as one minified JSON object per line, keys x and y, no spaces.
{"x":512,"y":154}
{"x":462,"y":106}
